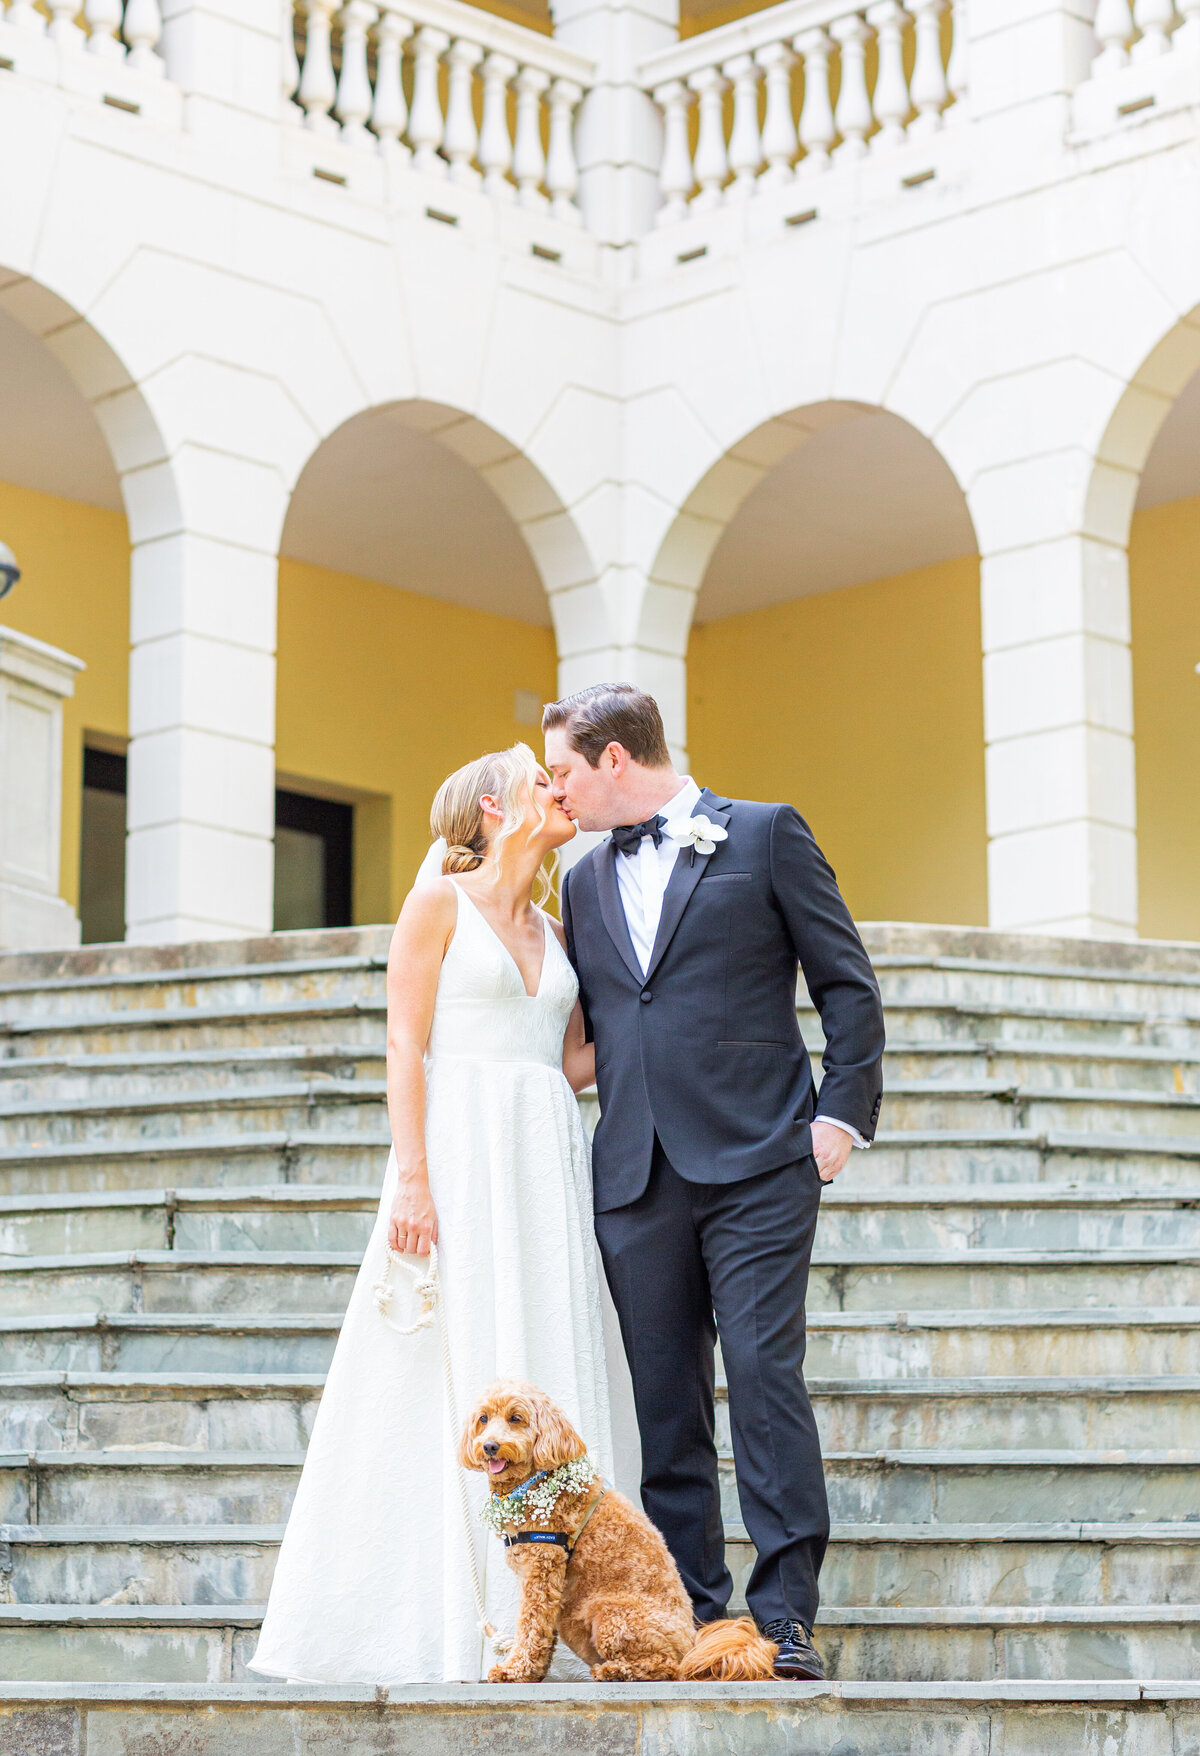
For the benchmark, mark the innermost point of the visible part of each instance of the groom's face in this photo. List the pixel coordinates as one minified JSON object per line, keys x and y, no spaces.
{"x":590,"y":796}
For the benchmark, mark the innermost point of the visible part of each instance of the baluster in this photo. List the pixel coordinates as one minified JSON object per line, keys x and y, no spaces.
{"x":529,"y":162}
{"x":1186,"y":40}
{"x":390,"y":112}
{"x":562,"y":173}
{"x":143,"y":30}
{"x":317,"y":86}
{"x":817,"y":128}
{"x":24,"y":15}
{"x":103,"y":20}
{"x":354,"y":86}
{"x":854,"y":102}
{"x":425,"y":117}
{"x":675,"y":177}
{"x":712,"y":164}
{"x":461,"y":139}
{"x":891,"y":87}
{"x":929,"y":76}
{"x":495,"y":147}
{"x":289,"y":62}
{"x":1154,"y":19}
{"x":1114,"y":32}
{"x":779,"y":125}
{"x":63,"y":28}
{"x":745,"y":146}
{"x":957,"y":75}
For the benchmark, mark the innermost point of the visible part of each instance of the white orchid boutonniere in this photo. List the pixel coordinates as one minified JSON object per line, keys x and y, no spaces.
{"x":698,"y":833}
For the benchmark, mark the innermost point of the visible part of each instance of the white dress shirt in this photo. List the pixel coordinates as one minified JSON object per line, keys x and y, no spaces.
{"x":642,"y":880}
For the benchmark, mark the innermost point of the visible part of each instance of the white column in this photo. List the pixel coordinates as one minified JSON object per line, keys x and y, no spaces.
{"x":35,"y":680}
{"x":1058,"y":723}
{"x":202,"y":725}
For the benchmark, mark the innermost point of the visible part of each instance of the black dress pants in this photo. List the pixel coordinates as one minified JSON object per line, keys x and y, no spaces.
{"x":687,"y":1262}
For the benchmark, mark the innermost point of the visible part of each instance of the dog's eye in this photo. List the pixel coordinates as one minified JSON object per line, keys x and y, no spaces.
{"x":515,"y":1420}
{"x":482,"y":1421}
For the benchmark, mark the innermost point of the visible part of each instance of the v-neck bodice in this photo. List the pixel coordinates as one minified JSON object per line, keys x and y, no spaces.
{"x":483,"y":1011}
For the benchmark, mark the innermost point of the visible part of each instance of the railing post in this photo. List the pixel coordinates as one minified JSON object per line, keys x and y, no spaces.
{"x":1052,"y":43}
{"x":227,"y":62}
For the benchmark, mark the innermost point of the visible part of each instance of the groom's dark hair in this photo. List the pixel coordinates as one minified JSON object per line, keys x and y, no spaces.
{"x":611,"y":713}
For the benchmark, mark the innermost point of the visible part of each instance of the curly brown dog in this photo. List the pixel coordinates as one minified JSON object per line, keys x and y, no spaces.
{"x":616,"y":1598}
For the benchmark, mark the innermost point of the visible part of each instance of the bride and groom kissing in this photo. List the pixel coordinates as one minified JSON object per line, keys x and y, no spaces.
{"x":670,"y":984}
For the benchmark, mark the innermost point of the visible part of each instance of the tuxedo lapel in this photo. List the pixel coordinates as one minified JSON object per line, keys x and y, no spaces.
{"x":688,"y":870}
{"x":611,"y":912}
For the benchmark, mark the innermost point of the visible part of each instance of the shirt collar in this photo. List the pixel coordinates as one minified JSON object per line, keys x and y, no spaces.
{"x":683,"y":804}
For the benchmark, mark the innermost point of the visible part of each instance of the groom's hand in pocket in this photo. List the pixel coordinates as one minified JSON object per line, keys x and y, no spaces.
{"x":831,"y":1148}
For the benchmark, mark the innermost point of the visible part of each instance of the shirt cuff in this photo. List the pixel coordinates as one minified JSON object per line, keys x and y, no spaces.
{"x":845,"y":1127}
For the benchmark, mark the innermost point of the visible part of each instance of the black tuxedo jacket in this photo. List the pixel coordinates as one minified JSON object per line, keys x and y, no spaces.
{"x":704,"y":1050}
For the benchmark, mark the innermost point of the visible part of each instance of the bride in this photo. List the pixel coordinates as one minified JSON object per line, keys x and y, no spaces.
{"x":485,"y":1041}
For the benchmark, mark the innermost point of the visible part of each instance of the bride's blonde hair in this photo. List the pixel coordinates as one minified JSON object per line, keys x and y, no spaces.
{"x":507,"y":776}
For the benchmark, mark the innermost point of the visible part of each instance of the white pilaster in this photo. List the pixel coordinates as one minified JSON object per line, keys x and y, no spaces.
{"x":1058,"y":723}
{"x":227,"y":60}
{"x":35,"y":680}
{"x":1024,"y":61}
{"x":618,"y":128}
{"x":202,"y":725}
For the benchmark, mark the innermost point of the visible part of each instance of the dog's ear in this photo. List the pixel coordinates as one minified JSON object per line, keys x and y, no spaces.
{"x":466,"y":1443}
{"x":555,"y":1440}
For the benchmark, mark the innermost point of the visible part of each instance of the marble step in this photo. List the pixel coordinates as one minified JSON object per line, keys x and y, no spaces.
{"x":317,"y":1105}
{"x":926,"y":1487}
{"x":996,"y":1717}
{"x":116,"y":1079}
{"x":185,"y":1643}
{"x":294,"y":1282}
{"x":872,"y":1344}
{"x":241,"y":1411}
{"x":878,"y":1565}
{"x":856,"y":1218}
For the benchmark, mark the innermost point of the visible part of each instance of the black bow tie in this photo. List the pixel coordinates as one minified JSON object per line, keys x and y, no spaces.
{"x":628,"y":839}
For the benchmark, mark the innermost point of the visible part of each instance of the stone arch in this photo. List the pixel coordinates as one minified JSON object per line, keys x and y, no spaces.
{"x":1144,"y":403}
{"x":820,"y":585}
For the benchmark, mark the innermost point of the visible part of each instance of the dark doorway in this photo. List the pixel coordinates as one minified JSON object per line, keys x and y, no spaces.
{"x":314,"y":860}
{"x":102,"y":848}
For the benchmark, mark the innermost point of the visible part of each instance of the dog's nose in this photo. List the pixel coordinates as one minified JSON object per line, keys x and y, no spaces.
{"x":490,"y":1448}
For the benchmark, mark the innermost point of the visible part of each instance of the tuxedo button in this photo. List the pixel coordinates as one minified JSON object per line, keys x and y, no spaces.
{"x":646,"y":996}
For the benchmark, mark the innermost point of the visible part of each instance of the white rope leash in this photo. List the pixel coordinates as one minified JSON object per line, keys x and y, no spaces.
{"x":428,"y":1289}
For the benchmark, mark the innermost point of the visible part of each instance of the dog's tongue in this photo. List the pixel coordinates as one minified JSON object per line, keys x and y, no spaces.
{"x":496,"y":1465}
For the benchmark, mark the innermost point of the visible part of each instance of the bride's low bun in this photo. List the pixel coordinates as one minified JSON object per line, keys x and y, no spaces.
{"x":460,"y":858}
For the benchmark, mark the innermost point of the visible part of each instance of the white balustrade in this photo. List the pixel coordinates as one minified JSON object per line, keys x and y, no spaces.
{"x":858,"y":96}
{"x":349,"y":77}
{"x":115,"y":30}
{"x":1131,"y":32}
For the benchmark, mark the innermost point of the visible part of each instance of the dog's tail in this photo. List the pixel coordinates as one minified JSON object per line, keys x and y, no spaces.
{"x":729,"y":1652}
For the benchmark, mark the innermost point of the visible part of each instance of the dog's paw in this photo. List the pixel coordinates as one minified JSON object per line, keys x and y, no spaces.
{"x":498,"y":1674}
{"x":515,"y":1674}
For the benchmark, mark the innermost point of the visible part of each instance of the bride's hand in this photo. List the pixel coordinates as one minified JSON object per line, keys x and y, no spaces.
{"x":412,"y":1224}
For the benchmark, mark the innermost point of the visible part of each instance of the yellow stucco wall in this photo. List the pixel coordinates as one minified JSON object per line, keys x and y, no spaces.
{"x":1164,"y":580}
{"x":73,"y":592}
{"x":864,"y":709}
{"x":384,"y":692}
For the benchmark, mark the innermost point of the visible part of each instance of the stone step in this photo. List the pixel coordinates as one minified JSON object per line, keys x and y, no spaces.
{"x":877,"y":1718}
{"x":871,"y":1343}
{"x":934,"y":1486}
{"x":877,"y":1565}
{"x":1067,"y":984}
{"x":926,"y":1158}
{"x":118,"y":1079}
{"x":162,"y":1030}
{"x":283,"y":1216}
{"x":857,"y":1216}
{"x":295,"y":1156}
{"x":344,"y":1106}
{"x":913,"y":1020}
{"x":232,"y":984}
{"x":1043,"y":1066}
{"x":989,"y":1107}
{"x":186,"y":1643}
{"x":295,"y":1282}
{"x":260,"y":1411}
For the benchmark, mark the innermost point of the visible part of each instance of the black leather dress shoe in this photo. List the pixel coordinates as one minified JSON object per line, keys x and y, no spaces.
{"x":797,"y":1660}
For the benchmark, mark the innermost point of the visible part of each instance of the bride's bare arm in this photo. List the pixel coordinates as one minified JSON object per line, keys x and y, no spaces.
{"x":419,"y":943}
{"x":579,"y":1056}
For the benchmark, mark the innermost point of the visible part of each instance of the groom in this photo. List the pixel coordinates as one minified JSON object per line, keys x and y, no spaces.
{"x":686,"y":928}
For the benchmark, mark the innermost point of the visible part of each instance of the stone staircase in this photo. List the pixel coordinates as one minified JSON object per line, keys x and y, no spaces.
{"x":1004,"y":1312}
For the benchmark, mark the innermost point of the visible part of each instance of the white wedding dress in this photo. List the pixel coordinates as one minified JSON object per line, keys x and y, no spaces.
{"x":372,"y":1583}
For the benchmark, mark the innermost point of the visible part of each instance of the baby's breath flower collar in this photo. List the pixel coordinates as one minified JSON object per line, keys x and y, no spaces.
{"x":534,"y":1501}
